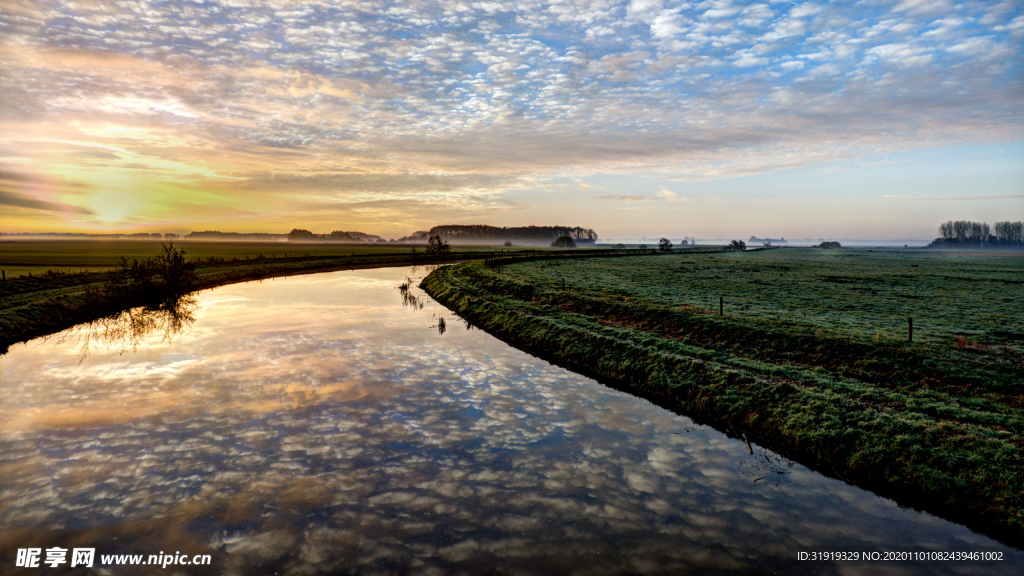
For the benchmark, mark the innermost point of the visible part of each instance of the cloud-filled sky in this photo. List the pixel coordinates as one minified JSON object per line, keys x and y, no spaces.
{"x":871,"y":119}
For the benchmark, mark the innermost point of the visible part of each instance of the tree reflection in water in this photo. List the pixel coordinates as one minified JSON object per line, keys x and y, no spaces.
{"x":441,"y":325}
{"x":408,"y":298}
{"x":130,"y":328}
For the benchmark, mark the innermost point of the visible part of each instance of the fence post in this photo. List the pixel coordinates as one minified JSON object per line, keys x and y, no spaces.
{"x":721,"y":305}
{"x":910,"y":329}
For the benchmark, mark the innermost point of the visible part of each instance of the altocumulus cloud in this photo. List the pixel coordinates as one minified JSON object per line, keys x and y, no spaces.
{"x":477,"y":96}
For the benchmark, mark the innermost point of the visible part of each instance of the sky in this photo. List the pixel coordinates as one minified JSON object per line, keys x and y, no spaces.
{"x":873,"y":119}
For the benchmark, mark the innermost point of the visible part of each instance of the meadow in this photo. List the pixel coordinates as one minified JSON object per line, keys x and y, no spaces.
{"x":866,"y":295}
{"x":37,"y":257}
{"x":811,"y":356}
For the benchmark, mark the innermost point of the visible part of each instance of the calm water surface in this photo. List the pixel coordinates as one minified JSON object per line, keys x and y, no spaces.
{"x":324,"y":424}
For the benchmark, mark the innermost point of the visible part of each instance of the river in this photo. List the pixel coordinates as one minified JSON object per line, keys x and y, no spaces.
{"x":332,"y":424}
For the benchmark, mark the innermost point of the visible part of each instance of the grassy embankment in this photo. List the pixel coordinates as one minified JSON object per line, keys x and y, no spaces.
{"x":53,"y":285}
{"x":811,"y":357}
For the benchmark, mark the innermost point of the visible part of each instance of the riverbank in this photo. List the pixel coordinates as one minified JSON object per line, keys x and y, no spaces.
{"x":916,"y":423}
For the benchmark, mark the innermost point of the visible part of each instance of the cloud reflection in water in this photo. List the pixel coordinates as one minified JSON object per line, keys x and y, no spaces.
{"x":312,"y":425}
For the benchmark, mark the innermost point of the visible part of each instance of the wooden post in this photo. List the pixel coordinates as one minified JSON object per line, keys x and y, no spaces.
{"x":910,"y":329}
{"x":721,"y":305}
{"x":563,"y":283}
{"x":4,"y":272}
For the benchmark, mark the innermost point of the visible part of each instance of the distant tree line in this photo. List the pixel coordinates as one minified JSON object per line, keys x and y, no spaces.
{"x":483,"y":234}
{"x":967,"y":233}
{"x":217,"y":235}
{"x":769,"y":240}
{"x":300,"y":235}
{"x":1012,"y":232}
{"x":418,"y":236}
{"x":133,"y":236}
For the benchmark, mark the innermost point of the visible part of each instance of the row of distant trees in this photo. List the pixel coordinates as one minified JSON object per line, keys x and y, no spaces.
{"x":300,"y":235}
{"x":218,"y":235}
{"x":76,"y":235}
{"x":483,"y":234}
{"x":974,"y":233}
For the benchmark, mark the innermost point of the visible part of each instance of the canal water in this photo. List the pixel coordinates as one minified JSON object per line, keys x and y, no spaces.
{"x":334,"y":423}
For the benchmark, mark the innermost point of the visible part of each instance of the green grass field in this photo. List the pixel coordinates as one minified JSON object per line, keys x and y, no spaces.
{"x":811,"y":356}
{"x":857,"y":294}
{"x":20,"y":258}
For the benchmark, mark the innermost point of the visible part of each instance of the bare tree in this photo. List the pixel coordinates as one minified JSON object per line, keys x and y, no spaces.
{"x":1012,"y":232}
{"x":438,"y":247}
{"x":946,"y":230}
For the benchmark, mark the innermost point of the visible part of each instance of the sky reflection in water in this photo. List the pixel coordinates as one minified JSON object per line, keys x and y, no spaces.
{"x":315,"y":424}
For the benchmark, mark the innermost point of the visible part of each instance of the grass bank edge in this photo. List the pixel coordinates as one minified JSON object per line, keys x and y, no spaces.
{"x":972,"y":478}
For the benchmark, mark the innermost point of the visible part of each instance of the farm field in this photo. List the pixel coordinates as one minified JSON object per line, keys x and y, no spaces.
{"x":22,"y":257}
{"x":811,"y":356}
{"x":854,"y":294}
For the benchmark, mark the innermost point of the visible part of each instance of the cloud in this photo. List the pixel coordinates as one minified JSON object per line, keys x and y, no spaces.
{"x":957,"y":198}
{"x":745,"y":59}
{"x":901,"y":54}
{"x":805,"y":9}
{"x":625,"y":198}
{"x":670,"y":196}
{"x":924,"y":7}
{"x":754,"y":15}
{"x":972,"y":47}
{"x":14,"y":199}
